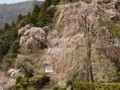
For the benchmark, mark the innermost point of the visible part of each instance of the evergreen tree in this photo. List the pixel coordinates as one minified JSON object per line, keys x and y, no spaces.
{"x":28,"y":18}
{"x":20,"y":17}
{"x":15,"y":46}
{"x":34,"y":16}
{"x":55,"y":2}
{"x":4,"y":44}
{"x":1,"y":31}
{"x":6,"y":27}
{"x":36,"y":9}
{"x":43,"y":16}
{"x":13,"y":24}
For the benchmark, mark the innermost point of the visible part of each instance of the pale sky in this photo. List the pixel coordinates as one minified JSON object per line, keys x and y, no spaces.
{"x":13,"y":1}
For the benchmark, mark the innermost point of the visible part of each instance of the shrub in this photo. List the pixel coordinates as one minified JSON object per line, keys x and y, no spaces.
{"x":55,"y":88}
{"x":15,"y":87}
{"x":22,"y":89}
{"x":117,"y":5}
{"x":18,"y":78}
{"x":39,"y":81}
{"x":107,"y":1}
{"x":58,"y":88}
{"x":31,"y":88}
{"x":61,"y":89}
{"x":87,"y":1}
{"x":23,"y":83}
{"x":95,"y":86}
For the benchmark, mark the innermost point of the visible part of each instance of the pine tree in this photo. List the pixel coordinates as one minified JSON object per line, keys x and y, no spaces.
{"x":6,"y":27}
{"x":36,"y":9}
{"x":13,"y":24}
{"x":1,"y":31}
{"x":20,"y":17}
{"x":28,"y":18}
{"x":55,"y":2}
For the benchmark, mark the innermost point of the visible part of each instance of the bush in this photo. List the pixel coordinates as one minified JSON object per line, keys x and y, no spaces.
{"x":107,"y":1}
{"x":31,"y":88}
{"x":18,"y":79}
{"x":87,"y":1}
{"x":61,"y":89}
{"x":22,"y":89}
{"x":58,"y":88}
{"x":39,"y":81}
{"x":95,"y":86}
{"x":23,"y":83}
{"x":117,"y":5}
{"x":55,"y":88}
{"x":15,"y":87}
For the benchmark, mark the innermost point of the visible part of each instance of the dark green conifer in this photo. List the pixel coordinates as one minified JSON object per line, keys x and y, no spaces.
{"x":6,"y":27}
{"x":20,"y":17}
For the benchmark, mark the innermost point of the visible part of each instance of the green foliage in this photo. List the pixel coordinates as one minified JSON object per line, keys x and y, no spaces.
{"x":23,"y":83}
{"x":6,"y":27}
{"x":112,"y":26}
{"x":15,"y":46}
{"x":13,"y":24}
{"x":58,"y":88}
{"x":34,"y":15}
{"x":22,"y":23}
{"x":19,"y":18}
{"x":87,"y":1}
{"x":5,"y":64}
{"x":31,"y":88}
{"x":22,"y":89}
{"x":62,"y":89}
{"x":28,"y":72}
{"x":27,"y":18}
{"x":117,"y":29}
{"x":45,"y":15}
{"x":1,"y":31}
{"x":55,"y":2}
{"x":39,"y":81}
{"x":55,"y":87}
{"x":64,"y":1}
{"x":34,"y":83}
{"x":107,"y":1}
{"x":58,"y":27}
{"x":4,"y":45}
{"x":74,"y":0}
{"x":18,"y":79}
{"x":75,"y":78}
{"x":6,"y":39}
{"x":95,"y":86}
{"x":15,"y":87}
{"x":117,"y":5}
{"x":36,"y":9}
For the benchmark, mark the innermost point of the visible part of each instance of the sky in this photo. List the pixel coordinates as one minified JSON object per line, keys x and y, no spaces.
{"x":13,"y":1}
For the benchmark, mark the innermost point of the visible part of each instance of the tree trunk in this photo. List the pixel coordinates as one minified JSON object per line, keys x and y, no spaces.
{"x":89,"y":66}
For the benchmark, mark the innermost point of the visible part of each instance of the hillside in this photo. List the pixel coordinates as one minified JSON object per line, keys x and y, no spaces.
{"x":66,"y":42}
{"x":9,"y":12}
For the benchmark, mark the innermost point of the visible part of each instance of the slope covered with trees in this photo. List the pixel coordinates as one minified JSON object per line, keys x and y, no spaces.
{"x":82,"y":38}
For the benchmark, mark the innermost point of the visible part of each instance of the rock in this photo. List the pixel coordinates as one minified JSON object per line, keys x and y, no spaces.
{"x":13,"y":72}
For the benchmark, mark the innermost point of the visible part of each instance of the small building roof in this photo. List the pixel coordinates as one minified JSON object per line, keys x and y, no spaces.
{"x":59,"y":50}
